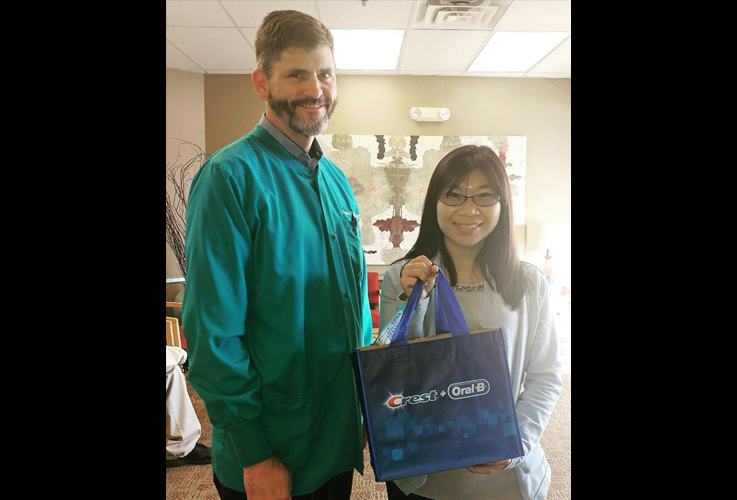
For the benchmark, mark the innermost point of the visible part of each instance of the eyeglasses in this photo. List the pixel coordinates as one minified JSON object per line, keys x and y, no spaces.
{"x":453,"y":199}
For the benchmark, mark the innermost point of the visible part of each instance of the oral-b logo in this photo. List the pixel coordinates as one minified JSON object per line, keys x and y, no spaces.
{"x":469,"y":389}
{"x":400,"y":400}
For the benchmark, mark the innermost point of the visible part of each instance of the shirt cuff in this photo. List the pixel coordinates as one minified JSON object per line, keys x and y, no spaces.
{"x":249,"y":442}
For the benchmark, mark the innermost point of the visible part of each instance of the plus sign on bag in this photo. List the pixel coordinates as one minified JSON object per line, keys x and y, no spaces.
{"x":440,"y":402}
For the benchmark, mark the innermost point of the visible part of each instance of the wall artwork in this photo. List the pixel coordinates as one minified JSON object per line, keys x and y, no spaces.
{"x":389,"y":175}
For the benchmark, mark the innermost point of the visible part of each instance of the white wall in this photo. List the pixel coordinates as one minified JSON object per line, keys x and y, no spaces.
{"x":185,"y":119}
{"x":538,"y":108}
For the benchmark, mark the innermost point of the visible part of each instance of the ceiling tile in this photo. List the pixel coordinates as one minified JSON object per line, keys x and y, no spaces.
{"x":250,"y":34}
{"x":536,"y":15}
{"x":515,"y":51}
{"x":557,"y":63}
{"x":214,"y":48}
{"x":202,"y":32}
{"x":439,"y":51}
{"x":175,"y":59}
{"x":199,"y":13}
{"x":367,"y":49}
{"x":342,"y":14}
{"x":252,"y":12}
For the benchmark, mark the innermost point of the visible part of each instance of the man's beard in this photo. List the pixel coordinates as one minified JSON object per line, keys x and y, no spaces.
{"x":287,"y":111}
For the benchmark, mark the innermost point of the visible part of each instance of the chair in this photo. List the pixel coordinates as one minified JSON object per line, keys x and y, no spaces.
{"x":373,"y":293}
{"x":172,"y":326}
{"x":173,"y":335}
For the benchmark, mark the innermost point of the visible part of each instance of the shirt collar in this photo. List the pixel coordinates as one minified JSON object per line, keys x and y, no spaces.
{"x":439,"y":261}
{"x":310,"y":160}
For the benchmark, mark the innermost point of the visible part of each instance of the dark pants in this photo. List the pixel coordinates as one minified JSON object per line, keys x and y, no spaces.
{"x":336,"y":488}
{"x":395,"y":493}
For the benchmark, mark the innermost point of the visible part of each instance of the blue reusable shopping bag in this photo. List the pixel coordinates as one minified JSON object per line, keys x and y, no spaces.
{"x":437,"y":403}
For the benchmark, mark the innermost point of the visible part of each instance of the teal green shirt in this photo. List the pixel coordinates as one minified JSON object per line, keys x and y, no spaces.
{"x":276,"y":299}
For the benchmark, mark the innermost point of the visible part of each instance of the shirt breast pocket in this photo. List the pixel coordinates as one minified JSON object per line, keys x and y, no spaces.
{"x":352,"y":230}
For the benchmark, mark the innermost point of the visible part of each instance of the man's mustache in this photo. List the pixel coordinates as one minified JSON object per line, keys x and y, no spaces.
{"x":309,"y":102}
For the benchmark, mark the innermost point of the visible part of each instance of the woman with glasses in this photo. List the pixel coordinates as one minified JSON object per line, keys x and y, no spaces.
{"x":466,"y":229}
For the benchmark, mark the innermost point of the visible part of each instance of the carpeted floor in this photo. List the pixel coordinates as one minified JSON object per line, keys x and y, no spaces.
{"x":194,"y":482}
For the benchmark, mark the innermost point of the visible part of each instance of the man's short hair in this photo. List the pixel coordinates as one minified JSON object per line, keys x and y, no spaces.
{"x":284,"y":29}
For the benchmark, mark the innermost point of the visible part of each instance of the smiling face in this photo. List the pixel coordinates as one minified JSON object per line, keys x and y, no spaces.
{"x":465,"y":227}
{"x":301,"y":92}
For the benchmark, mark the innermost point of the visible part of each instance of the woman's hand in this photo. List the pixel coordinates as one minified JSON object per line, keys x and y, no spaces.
{"x":420,"y":268}
{"x":489,"y":468}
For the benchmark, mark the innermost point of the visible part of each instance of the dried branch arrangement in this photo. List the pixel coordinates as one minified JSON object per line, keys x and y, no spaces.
{"x":179,"y":175}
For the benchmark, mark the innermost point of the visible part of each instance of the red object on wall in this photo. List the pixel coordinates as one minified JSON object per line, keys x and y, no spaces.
{"x":375,"y":318}
{"x":373,"y":293}
{"x":396,"y":226}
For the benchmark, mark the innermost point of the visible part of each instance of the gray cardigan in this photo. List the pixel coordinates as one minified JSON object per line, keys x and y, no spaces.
{"x":532,"y":353}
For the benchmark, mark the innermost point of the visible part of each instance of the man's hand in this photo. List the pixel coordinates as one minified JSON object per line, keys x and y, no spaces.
{"x":268,"y":480}
{"x":489,"y":468}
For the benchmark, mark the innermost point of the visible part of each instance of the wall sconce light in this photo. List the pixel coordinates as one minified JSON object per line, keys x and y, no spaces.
{"x":429,"y":114}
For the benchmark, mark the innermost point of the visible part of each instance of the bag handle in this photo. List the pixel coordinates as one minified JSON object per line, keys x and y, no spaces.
{"x":448,"y":314}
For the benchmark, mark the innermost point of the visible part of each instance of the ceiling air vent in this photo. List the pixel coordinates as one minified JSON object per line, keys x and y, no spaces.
{"x":455,"y":14}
